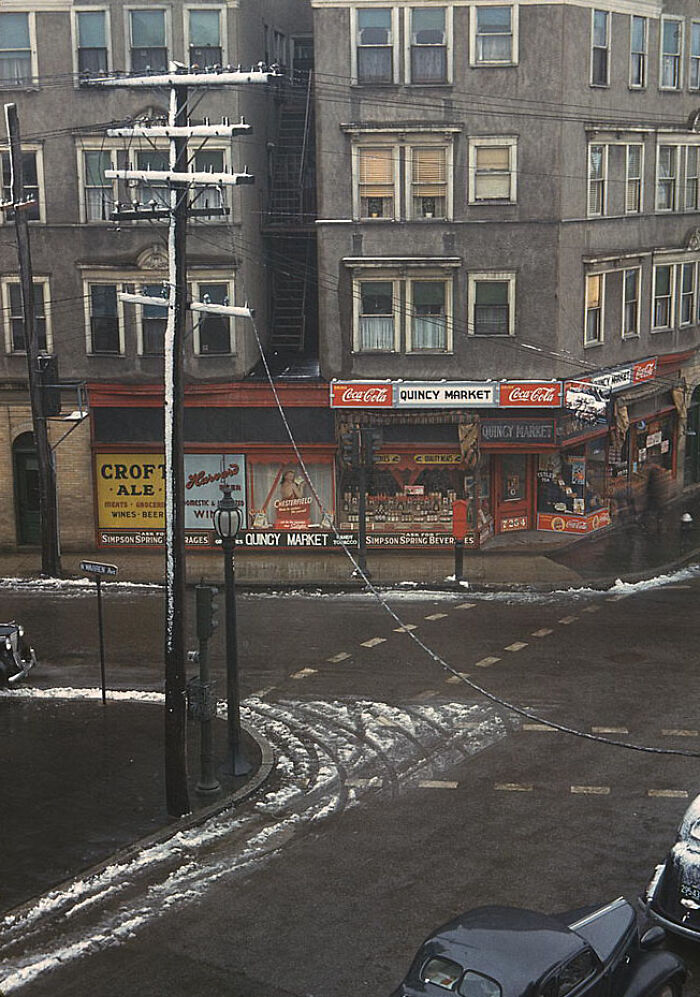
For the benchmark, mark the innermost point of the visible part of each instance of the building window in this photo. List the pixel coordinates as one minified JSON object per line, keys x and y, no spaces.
{"x":600,"y":48}
{"x":630,"y":304}
{"x":666,"y":173}
{"x":377,"y":320}
{"x":149,"y":50}
{"x":492,"y":169}
{"x":15,"y":50}
{"x":154,"y":194}
{"x":99,"y":191}
{"x":14,"y":311}
{"x":154,"y":319}
{"x":209,"y":161}
{"x":213,"y":333}
{"x":492,"y":305}
{"x":377,"y":181}
{"x":691,"y":178}
{"x":597,"y":178}
{"x":671,"y":53}
{"x":638,"y":51}
{"x":91,"y":28}
{"x":687,"y":302}
{"x":594,"y":310}
{"x":105,"y":326}
{"x":428,"y":181}
{"x":428,"y":316}
{"x":662,"y":317}
{"x":694,"y":81}
{"x":633,"y":182}
{"x":375,"y":45}
{"x":428,"y":45}
{"x":204,"y":32}
{"x":493,"y":37}
{"x":30,"y":164}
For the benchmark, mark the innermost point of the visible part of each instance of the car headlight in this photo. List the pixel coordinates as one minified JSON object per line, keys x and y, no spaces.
{"x":21,"y":631}
{"x":694,"y":831}
{"x":8,"y":644}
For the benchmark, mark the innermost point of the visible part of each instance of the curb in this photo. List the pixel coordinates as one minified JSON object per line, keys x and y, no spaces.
{"x":124,"y":855}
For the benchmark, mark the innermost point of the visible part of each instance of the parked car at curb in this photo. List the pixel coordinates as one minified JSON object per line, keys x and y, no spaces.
{"x":16,"y":655}
{"x":509,"y":952}
{"x":672,"y":897}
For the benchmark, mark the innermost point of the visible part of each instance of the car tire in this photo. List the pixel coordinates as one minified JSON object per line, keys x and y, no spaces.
{"x":669,"y":990}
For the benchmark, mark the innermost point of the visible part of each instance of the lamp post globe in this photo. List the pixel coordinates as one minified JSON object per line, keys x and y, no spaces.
{"x":227,"y":523}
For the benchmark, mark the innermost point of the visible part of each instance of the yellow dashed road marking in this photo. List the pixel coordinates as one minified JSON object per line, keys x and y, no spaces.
{"x":427,"y":694}
{"x":609,"y":730}
{"x":405,"y":629}
{"x":518,"y":645}
{"x":437,"y":784}
{"x":436,"y":616}
{"x":673,"y":794}
{"x":591,"y":790}
{"x":591,"y":609}
{"x":457,"y":679}
{"x":485,"y":662}
{"x":568,"y":619}
{"x":513,"y":787}
{"x":343,"y":656}
{"x":680,"y":733}
{"x":465,"y":605}
{"x":373,"y":641}
{"x":545,"y":727}
{"x":544,"y":632}
{"x":303,"y":673}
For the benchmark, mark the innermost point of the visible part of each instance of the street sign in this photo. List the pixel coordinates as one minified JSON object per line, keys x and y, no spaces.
{"x":98,"y":568}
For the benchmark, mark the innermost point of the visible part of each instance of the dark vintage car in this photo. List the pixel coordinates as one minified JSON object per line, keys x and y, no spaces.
{"x":508,"y":952}
{"x":673,"y":895}
{"x":16,"y":656}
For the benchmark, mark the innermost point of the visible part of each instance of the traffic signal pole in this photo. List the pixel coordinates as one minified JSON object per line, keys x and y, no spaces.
{"x":48,"y":509}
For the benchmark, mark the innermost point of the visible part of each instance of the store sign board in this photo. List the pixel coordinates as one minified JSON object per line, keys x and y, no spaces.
{"x":446,"y":394}
{"x":361,"y":394}
{"x":620,"y":378}
{"x":530,"y":394}
{"x":517,"y":431}
{"x":285,"y":539}
{"x":131,"y":493}
{"x":567,"y":523}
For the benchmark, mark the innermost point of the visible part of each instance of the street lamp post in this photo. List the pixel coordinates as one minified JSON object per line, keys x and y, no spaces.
{"x":227,"y":523}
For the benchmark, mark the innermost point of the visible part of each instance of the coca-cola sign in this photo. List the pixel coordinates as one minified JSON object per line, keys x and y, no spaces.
{"x":361,"y":394}
{"x":645,"y":370}
{"x":531,"y":394}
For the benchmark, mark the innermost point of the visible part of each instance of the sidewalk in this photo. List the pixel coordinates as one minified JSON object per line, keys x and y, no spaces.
{"x":83,"y":781}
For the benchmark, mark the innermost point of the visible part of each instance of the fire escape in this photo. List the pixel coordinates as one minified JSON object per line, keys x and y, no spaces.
{"x":289,"y":231}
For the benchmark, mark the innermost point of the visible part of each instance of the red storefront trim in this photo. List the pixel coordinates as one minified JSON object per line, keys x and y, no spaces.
{"x":235,"y":394}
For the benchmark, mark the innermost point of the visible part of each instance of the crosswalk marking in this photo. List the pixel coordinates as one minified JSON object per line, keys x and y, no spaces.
{"x":518,"y":645}
{"x":485,"y":662}
{"x":373,"y":641}
{"x":343,"y":656}
{"x":544,"y":632}
{"x":591,"y":790}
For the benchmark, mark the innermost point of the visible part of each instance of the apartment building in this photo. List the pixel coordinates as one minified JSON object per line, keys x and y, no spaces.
{"x":508,"y":253}
{"x":110,"y":353}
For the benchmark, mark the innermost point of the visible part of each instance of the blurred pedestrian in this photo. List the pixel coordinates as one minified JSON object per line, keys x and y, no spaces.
{"x":657,"y":494}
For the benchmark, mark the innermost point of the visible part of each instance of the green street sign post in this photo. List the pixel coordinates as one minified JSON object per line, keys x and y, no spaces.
{"x":100,"y":570}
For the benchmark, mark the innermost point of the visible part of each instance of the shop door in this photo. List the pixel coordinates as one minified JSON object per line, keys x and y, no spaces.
{"x":691,"y":468}
{"x":512,"y":492}
{"x":27,"y":505}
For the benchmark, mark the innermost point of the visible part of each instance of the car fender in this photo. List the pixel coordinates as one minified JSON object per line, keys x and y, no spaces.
{"x":651,"y":971}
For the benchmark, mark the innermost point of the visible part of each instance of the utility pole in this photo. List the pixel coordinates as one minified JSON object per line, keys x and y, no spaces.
{"x":180,"y":180}
{"x":50,"y":556}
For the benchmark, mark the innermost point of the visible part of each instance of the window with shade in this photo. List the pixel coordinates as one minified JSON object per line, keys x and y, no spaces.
{"x":692,"y":202}
{"x":149,"y":49}
{"x":15,"y":316}
{"x":662,"y":317}
{"x":671,"y":53}
{"x":374,"y":45}
{"x":492,"y":300}
{"x":638,"y":52}
{"x":593,"y":328}
{"x":492,"y":169}
{"x":428,"y":315}
{"x":688,"y":277}
{"x":15,"y":50}
{"x":666,"y":177}
{"x":98,"y":190}
{"x":600,"y":48}
{"x":597,"y":179}
{"x":630,"y":304}
{"x":376,"y":326}
{"x":91,"y":27}
{"x":694,"y":81}
{"x":493,"y":36}
{"x":105,"y":325}
{"x":377,"y":181}
{"x":428,"y":181}
{"x":205,"y":38}
{"x":633,"y":182}
{"x":30,"y":169}
{"x":428,"y":45}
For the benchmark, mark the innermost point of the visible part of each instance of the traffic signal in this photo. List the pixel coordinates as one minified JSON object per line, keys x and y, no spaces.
{"x":350,"y":446}
{"x":373,"y":442}
{"x":50,"y":391}
{"x":207,"y":608}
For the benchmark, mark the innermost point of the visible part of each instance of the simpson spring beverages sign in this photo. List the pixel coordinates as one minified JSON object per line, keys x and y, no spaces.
{"x":361,"y":395}
{"x":531,"y":394}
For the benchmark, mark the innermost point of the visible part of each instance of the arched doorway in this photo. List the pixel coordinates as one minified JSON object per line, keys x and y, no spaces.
{"x":691,"y":470}
{"x":25,"y":465}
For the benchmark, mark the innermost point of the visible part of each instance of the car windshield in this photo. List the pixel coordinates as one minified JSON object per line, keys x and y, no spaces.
{"x":443,"y":972}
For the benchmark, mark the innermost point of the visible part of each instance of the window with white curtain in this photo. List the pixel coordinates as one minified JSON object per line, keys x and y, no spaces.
{"x":664,"y":281}
{"x":428,"y":45}
{"x":691,"y":178}
{"x":638,"y":52}
{"x":493,"y":37}
{"x":15,"y":50}
{"x":428,"y":315}
{"x":633,"y":179}
{"x":374,"y":45}
{"x":666,"y":177}
{"x":98,"y":190}
{"x":376,"y":327}
{"x":597,"y":179}
{"x":671,"y":55}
